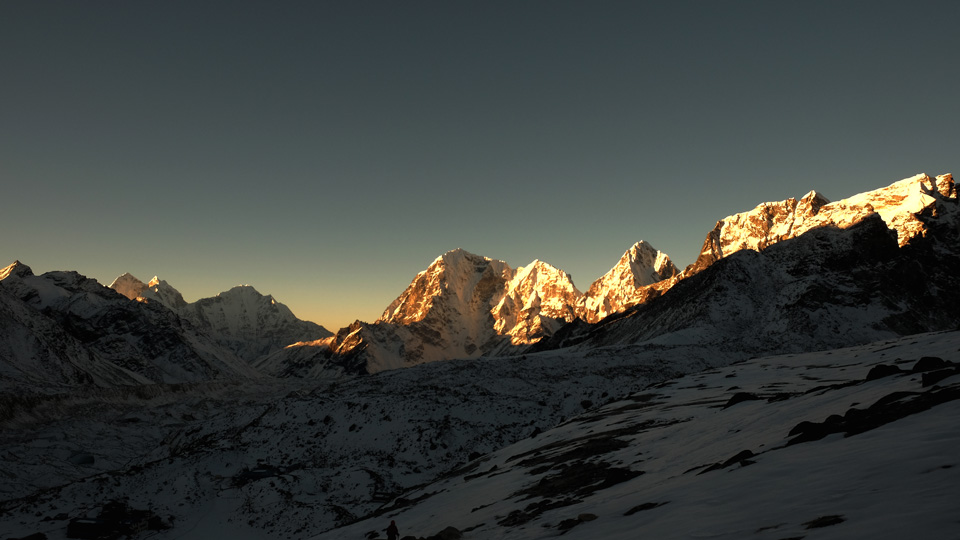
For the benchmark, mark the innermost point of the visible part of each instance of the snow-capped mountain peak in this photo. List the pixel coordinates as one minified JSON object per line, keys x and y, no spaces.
{"x":623,"y":286}
{"x":897,"y":204}
{"x":158,"y":290}
{"x":241,"y":319}
{"x":251,"y":324}
{"x":537,"y":299}
{"x":461,"y":280}
{"x":16,"y":269}
{"x":129,"y":286}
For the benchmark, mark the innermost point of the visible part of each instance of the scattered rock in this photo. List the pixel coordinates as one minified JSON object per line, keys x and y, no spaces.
{"x":587,"y":517}
{"x":643,"y":507}
{"x":741,"y":458}
{"x":740,"y":397}
{"x":519,"y":517}
{"x":889,"y":408}
{"x":450,"y":533}
{"x":824,"y":521}
{"x":882,"y":370}
{"x":929,"y":363}
{"x":580,"y":479}
{"x":931,"y":378}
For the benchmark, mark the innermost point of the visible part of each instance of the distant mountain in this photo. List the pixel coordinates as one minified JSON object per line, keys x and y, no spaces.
{"x":244,"y":321}
{"x":463,"y":305}
{"x":626,"y":283}
{"x":249,"y":323}
{"x":898,"y":204}
{"x":852,"y":280}
{"x":36,"y":351}
{"x":87,"y":333}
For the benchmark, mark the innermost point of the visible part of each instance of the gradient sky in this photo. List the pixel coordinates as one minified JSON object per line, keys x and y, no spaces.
{"x":327,"y":152}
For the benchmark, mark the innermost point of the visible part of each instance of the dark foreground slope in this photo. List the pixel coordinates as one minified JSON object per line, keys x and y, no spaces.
{"x":850,"y":443}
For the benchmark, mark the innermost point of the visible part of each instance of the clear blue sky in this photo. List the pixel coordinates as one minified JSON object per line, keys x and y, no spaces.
{"x":326,"y":152}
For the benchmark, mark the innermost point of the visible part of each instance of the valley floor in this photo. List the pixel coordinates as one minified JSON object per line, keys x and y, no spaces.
{"x":617,"y":443}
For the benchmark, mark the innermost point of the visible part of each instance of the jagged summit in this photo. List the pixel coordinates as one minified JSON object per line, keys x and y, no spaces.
{"x":456,"y":274}
{"x":17,"y":268}
{"x":537,"y":300}
{"x":898,"y":204}
{"x":128,"y":285}
{"x":623,"y":286}
{"x":241,"y":319}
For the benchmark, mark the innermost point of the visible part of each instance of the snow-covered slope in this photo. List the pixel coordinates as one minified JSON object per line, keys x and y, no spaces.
{"x":291,"y":458}
{"x":625,"y":285}
{"x":136,"y":338}
{"x":38,"y":353}
{"x":241,"y":319}
{"x":852,"y":443}
{"x":470,"y":445}
{"x":249,"y":323}
{"x":158,"y":290}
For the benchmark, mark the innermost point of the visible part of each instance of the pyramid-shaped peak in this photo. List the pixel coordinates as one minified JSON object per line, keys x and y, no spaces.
{"x":458,"y":254}
{"x":128,"y":285}
{"x":16,"y":269}
{"x":642,"y":247}
{"x":241,"y":290}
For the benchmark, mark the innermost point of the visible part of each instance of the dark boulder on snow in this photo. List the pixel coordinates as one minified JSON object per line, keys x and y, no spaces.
{"x":34,"y":536}
{"x":929,"y":363}
{"x":931,"y":378}
{"x":740,"y":397}
{"x":824,"y":521}
{"x":882,"y":370}
{"x":450,"y":533}
{"x":643,"y":507}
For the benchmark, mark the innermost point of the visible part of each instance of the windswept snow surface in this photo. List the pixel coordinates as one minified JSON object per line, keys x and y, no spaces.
{"x":682,"y":459}
{"x":334,"y":450}
{"x":469,"y":444}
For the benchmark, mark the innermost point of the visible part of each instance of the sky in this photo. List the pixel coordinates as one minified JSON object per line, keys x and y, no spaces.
{"x":326,"y":152}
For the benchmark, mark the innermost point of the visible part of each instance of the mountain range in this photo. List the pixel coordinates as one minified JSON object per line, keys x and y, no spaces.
{"x":799,"y":379}
{"x":465,"y":305}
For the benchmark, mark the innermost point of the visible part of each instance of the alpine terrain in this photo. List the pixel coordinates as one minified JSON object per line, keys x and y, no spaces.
{"x":800,"y":379}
